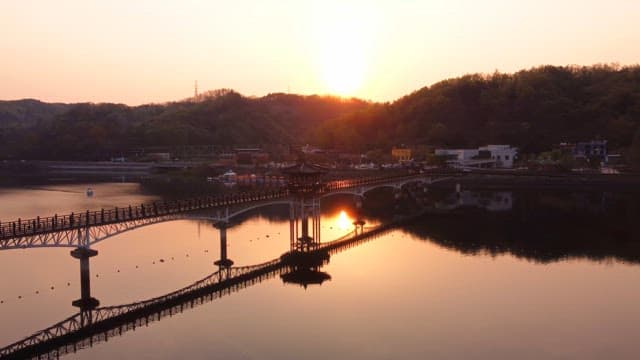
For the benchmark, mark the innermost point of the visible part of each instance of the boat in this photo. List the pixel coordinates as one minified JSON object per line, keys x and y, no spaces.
{"x":229,"y":178}
{"x":89,"y":192}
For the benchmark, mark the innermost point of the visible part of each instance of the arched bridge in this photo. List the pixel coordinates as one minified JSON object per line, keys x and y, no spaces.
{"x":88,"y":227}
{"x":91,"y":326}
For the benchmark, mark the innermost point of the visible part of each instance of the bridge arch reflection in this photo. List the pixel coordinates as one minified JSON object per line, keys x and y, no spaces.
{"x":92,"y":324}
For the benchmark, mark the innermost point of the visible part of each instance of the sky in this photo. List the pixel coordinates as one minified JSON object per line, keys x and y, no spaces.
{"x":143,"y":51}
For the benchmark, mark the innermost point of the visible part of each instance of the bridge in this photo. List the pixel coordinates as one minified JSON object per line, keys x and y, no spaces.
{"x":85,"y":228}
{"x":82,"y":230}
{"x":91,"y":326}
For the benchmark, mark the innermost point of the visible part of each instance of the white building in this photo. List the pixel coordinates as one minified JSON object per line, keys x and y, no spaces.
{"x":459,"y":154}
{"x":502,"y":154}
{"x":493,"y":156}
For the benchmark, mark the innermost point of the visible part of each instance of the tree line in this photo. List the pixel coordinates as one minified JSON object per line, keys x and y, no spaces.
{"x":223,"y":117}
{"x":532,"y":109}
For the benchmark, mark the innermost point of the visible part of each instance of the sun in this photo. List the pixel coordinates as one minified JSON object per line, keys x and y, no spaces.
{"x":343,"y":61}
{"x":345,"y":37}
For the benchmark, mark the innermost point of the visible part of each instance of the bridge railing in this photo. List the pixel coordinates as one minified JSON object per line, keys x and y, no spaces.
{"x":365,"y":181}
{"x":105,"y":319}
{"x":38,"y":225}
{"x":80,"y":220}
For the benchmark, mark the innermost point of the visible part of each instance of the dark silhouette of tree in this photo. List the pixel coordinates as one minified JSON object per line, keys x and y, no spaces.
{"x":532,"y":109}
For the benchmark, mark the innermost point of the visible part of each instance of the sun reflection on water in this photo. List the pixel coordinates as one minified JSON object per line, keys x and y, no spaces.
{"x":344,"y":222}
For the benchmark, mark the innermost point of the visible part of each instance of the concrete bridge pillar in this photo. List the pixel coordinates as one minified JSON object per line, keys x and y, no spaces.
{"x":306,"y":236}
{"x":86,"y":301}
{"x":359,"y":222}
{"x":224,"y":261}
{"x":293,"y":230}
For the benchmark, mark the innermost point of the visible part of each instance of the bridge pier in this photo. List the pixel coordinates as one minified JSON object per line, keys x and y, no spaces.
{"x":224,"y":261}
{"x":306,"y":212}
{"x":86,"y":301}
{"x":359,"y":222}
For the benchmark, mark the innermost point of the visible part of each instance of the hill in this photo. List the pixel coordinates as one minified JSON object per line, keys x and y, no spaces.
{"x":222,"y":117}
{"x":532,"y":109}
{"x":28,"y":112}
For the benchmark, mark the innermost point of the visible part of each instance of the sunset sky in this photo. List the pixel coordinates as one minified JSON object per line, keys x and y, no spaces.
{"x":139,"y":51}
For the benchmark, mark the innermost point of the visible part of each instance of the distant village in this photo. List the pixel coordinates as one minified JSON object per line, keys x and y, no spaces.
{"x":586,"y":156}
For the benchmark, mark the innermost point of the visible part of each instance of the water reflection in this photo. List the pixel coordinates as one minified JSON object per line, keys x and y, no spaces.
{"x":414,"y":311}
{"x":344,"y":222}
{"x":92,"y":325}
{"x":541,"y":227}
{"x":490,"y":201}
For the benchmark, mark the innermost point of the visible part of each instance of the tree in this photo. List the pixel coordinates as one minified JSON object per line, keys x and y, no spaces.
{"x":634,"y":151}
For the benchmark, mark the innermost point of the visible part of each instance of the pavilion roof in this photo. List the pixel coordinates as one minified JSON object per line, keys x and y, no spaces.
{"x":305,"y":168}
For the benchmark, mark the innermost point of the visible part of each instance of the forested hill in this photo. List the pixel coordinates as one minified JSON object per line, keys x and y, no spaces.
{"x":532,"y":109}
{"x":221,"y":117}
{"x":28,"y":112}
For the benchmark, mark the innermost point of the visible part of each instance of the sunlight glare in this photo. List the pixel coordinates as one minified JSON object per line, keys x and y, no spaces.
{"x":345,"y":34}
{"x":344,"y":222}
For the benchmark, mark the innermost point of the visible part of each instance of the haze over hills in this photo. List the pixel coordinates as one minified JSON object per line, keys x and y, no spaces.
{"x":28,"y":112}
{"x":531,"y":109}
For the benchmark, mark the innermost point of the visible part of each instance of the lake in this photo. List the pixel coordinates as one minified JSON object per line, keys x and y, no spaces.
{"x":489,"y":275}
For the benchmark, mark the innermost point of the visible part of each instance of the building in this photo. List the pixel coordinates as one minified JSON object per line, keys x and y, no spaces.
{"x":490,"y":156}
{"x":251,"y":156}
{"x":227,"y":159}
{"x":502,"y":154}
{"x":595,"y":149}
{"x":401,"y":154}
{"x":159,"y":156}
{"x":308,"y":149}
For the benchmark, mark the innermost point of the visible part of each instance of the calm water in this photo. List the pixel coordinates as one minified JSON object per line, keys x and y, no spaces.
{"x":513,"y":282}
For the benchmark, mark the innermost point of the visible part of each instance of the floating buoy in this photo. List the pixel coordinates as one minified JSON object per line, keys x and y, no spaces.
{"x":68,"y":284}
{"x":37,"y":292}
{"x":97,"y":275}
{"x":118,"y":270}
{"x":136,"y":266}
{"x":161,"y":260}
{"x":52,"y":288}
{"x":172,"y":258}
{"x":267,"y":235}
{"x":19,"y":296}
{"x":154,"y":263}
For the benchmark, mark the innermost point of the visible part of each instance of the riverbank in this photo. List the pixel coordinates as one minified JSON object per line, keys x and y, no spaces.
{"x":532,"y":181}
